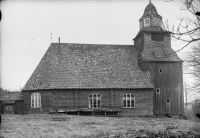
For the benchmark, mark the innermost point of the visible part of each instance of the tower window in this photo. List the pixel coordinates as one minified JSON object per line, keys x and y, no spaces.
{"x":158,"y":90}
{"x":146,"y":22}
{"x":156,"y":37}
{"x":168,"y":100}
{"x":160,"y":70}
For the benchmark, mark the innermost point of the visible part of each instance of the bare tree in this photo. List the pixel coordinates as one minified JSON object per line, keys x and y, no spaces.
{"x":188,"y":30}
{"x":192,"y":67}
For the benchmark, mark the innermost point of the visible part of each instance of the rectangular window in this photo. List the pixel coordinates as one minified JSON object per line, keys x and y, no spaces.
{"x":146,"y":22}
{"x":156,"y":37}
{"x":128,"y":100}
{"x":36,"y":100}
{"x":90,"y":103}
{"x":128,"y":103}
{"x":99,"y":103}
{"x":95,"y":101}
{"x":132,"y":103}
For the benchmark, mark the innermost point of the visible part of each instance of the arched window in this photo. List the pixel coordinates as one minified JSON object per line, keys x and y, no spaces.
{"x":95,"y":101}
{"x":35,"y":100}
{"x":128,"y":100}
{"x":146,"y":22}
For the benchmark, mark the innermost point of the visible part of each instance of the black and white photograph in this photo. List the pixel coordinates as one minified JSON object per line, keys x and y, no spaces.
{"x":100,"y":69}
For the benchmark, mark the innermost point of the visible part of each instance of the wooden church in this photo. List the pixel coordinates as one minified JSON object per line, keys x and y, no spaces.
{"x":124,"y":80}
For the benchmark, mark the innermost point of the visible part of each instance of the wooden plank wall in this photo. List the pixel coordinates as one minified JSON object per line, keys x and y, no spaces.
{"x":19,"y":107}
{"x":1,"y":107}
{"x":170,"y":82}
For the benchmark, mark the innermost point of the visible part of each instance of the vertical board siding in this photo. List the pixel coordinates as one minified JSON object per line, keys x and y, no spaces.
{"x":170,"y":82}
{"x":19,"y":107}
{"x":1,"y":107}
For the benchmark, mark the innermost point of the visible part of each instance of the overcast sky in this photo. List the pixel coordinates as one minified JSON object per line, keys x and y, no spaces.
{"x":26,"y":28}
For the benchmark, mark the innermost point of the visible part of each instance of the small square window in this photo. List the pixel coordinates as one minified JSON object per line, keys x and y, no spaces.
{"x":160,"y":70}
{"x":168,"y":100}
{"x":158,"y":90}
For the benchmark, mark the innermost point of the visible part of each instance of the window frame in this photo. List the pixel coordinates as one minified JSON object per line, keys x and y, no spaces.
{"x":36,"y":100}
{"x":96,"y":102}
{"x":128,"y":99}
{"x":146,"y":22}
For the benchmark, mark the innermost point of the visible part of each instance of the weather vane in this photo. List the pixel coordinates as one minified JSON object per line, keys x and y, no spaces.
{"x":51,"y":36}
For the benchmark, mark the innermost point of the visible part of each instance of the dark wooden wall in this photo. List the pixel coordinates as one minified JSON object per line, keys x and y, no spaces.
{"x":19,"y":107}
{"x":1,"y":107}
{"x":170,"y":82}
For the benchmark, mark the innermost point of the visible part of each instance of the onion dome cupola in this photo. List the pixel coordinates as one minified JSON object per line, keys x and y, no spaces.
{"x":150,"y":17}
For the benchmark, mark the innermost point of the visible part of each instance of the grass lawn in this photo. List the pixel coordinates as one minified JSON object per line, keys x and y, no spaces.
{"x":67,"y":126}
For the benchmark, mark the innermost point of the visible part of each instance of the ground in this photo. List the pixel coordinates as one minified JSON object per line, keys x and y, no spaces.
{"x":67,"y":126}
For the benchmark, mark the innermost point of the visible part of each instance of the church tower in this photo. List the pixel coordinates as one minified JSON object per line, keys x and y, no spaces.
{"x":164,"y":65}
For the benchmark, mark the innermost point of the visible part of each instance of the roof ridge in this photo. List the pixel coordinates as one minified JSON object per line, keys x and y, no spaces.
{"x":96,"y":44}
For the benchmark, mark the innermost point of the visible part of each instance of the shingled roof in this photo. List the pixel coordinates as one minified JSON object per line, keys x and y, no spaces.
{"x":77,"y":66}
{"x":159,"y":53}
{"x":150,"y":10}
{"x":11,"y":96}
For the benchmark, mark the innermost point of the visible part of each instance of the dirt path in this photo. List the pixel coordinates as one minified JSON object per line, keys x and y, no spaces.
{"x":55,"y":126}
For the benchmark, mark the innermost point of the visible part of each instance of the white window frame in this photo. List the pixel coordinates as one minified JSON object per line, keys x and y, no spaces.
{"x":93,"y":100}
{"x":146,"y":22}
{"x":128,"y":100}
{"x":35,"y":100}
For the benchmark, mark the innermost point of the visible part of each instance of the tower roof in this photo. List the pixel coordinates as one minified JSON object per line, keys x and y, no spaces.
{"x":150,"y":10}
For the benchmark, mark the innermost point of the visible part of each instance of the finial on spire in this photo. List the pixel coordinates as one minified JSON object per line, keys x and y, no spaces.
{"x":149,"y":1}
{"x":51,"y":36}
